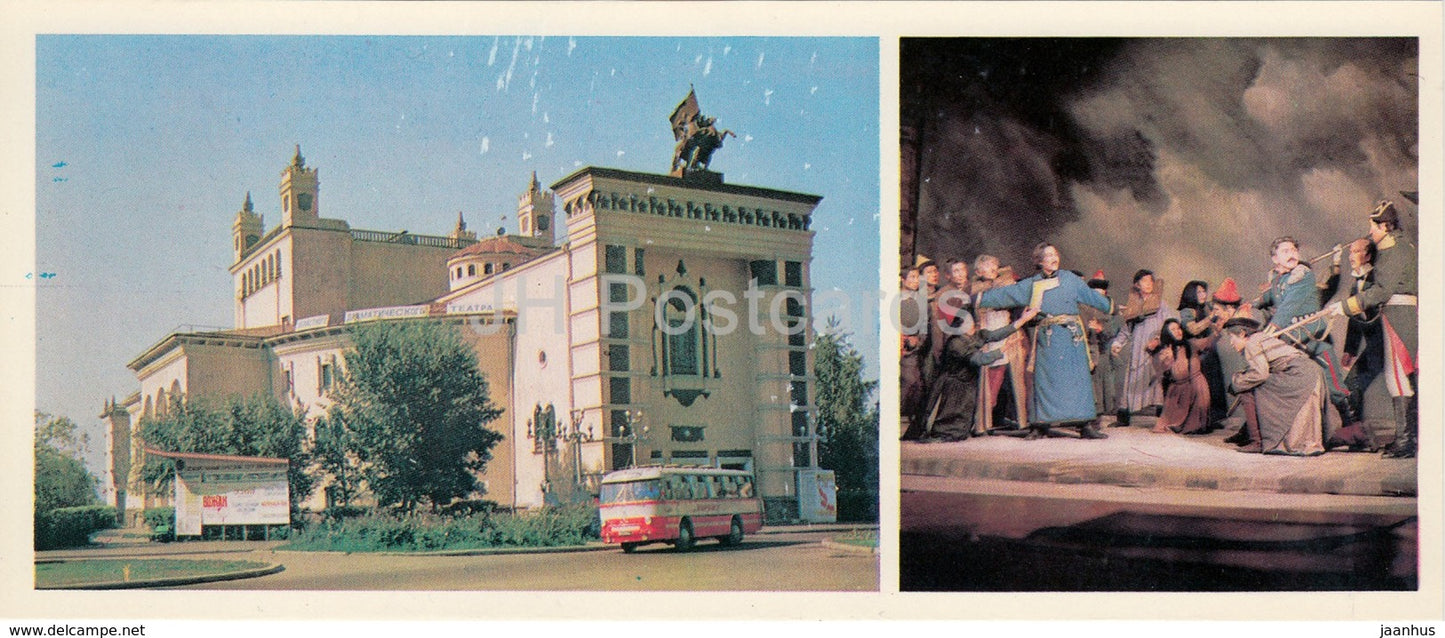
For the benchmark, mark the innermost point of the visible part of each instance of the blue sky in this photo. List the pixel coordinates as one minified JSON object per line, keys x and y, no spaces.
{"x":147,"y":146}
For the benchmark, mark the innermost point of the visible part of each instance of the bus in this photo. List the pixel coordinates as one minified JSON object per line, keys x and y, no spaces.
{"x":678,"y":505}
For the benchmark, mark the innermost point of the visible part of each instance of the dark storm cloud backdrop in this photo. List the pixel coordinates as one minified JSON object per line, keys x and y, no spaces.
{"x":1185,"y":156}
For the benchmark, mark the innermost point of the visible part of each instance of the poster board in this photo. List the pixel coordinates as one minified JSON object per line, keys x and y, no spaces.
{"x":221,"y":490}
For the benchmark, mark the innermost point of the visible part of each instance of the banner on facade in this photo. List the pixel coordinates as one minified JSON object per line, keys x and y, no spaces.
{"x":393,"y":312}
{"x":468,"y":308}
{"x":319,"y":321}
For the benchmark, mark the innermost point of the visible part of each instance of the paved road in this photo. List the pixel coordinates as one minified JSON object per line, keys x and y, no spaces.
{"x":765,"y":562}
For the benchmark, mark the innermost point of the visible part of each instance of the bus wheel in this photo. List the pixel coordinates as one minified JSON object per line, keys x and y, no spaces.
{"x":685,"y":538}
{"x":735,"y":534}
{"x":628,"y":548}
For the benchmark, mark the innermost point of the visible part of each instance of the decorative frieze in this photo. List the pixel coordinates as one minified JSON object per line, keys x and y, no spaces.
{"x":688,"y":209}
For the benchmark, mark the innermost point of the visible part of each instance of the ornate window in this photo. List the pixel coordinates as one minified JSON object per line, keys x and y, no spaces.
{"x":544,"y":429}
{"x":680,"y":317}
{"x":684,"y":350}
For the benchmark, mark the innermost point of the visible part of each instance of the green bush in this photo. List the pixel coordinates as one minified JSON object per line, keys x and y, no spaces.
{"x":857,"y":506}
{"x":162,"y":523}
{"x":470,"y":507}
{"x":71,"y":526}
{"x":343,"y":512}
{"x":551,"y":527}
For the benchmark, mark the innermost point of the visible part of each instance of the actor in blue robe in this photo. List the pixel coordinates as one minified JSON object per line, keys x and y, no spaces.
{"x":1062,"y":391}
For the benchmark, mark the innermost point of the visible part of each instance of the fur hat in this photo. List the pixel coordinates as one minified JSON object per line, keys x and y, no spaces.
{"x":1098,"y":280}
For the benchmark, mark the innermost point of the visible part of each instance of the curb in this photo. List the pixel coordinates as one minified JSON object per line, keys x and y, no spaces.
{"x":171,"y":582}
{"x":480,"y":551}
{"x":150,"y":554}
{"x":850,"y":549}
{"x":823,"y":528}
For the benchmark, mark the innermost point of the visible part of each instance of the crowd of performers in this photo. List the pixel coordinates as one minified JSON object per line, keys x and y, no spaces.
{"x":1051,"y":353}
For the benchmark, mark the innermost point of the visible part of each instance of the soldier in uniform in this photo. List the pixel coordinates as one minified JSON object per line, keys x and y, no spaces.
{"x":1363,"y":355}
{"x":1293,"y":294}
{"x":1392,"y":294}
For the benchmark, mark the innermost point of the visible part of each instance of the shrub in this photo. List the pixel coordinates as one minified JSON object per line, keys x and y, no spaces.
{"x":71,"y":526}
{"x":566,"y":525}
{"x":470,"y":507}
{"x":857,"y":506}
{"x":570,"y":525}
{"x":162,"y":523}
{"x":343,"y":512}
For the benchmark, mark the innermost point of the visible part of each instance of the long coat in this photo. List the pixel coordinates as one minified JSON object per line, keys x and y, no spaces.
{"x":1142,"y":378}
{"x":951,"y":404}
{"x":1289,"y":397}
{"x":1062,"y":391}
{"x":1392,"y":293}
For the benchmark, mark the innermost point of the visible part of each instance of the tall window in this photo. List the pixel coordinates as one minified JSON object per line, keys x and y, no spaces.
{"x":325,"y":377}
{"x":793,"y":274}
{"x":682,"y":333}
{"x":615,"y":259}
{"x":766,"y":272}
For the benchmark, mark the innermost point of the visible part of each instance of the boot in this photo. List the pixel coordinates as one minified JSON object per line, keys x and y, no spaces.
{"x":1403,"y":447}
{"x":1090,"y":430}
{"x":1239,"y":438}
{"x":1121,"y":418}
{"x":1356,"y":434}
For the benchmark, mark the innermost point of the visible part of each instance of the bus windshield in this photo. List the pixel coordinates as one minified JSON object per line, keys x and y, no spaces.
{"x":644,"y":490}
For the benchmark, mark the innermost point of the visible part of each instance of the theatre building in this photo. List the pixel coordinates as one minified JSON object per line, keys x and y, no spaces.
{"x":634,"y":319}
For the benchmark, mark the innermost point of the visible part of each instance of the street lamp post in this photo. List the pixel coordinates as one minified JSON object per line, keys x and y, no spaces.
{"x":634,"y":417}
{"x":576,"y":437}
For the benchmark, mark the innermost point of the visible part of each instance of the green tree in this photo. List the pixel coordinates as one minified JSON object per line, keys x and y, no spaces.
{"x":413,"y":407}
{"x":256,"y":426}
{"x":61,"y":479}
{"x":847,"y":421}
{"x":335,"y":455}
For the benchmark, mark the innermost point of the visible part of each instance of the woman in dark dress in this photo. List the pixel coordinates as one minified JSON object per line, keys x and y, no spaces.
{"x":951,"y":406}
{"x":1200,"y":321}
{"x":1186,"y":392}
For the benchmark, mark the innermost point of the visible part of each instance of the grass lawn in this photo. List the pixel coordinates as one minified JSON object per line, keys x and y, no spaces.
{"x":84,"y":572}
{"x":858,"y":538}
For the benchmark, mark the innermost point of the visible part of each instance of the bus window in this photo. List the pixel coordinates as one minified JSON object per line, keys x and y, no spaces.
{"x":649,"y":490}
{"x":712,"y":487}
{"x":729,"y":487}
